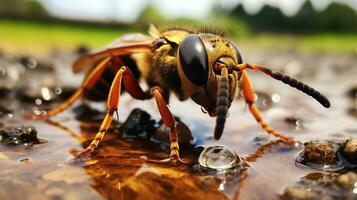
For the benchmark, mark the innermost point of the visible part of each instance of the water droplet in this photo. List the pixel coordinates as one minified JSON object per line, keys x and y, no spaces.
{"x":36,"y":111}
{"x":263,"y":100}
{"x":58,"y":90}
{"x":31,"y":63}
{"x":218,"y":157}
{"x":38,"y":101}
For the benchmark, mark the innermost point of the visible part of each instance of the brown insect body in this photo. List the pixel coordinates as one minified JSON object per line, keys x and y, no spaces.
{"x":203,"y":66}
{"x":160,"y":68}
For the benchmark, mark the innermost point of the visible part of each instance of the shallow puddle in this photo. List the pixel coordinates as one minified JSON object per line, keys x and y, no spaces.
{"x":130,"y":168}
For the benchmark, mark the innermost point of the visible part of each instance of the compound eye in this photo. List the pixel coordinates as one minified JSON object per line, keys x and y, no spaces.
{"x":239,"y":57}
{"x":194,"y":60}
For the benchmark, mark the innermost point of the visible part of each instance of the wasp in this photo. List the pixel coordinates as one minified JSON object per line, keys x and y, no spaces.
{"x":199,"y":64}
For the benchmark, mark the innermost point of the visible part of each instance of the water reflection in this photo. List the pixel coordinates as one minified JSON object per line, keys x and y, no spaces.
{"x":119,"y":168}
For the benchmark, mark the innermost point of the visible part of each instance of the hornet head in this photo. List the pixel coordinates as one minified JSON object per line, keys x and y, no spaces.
{"x":206,"y":64}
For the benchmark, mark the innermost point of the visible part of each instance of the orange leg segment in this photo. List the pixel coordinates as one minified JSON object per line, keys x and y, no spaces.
{"x":132,"y":87}
{"x":248,"y":93}
{"x":169,"y":121}
{"x":88,"y":84}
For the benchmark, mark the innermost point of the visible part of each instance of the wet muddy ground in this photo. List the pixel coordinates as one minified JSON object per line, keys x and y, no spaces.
{"x":126,"y":165}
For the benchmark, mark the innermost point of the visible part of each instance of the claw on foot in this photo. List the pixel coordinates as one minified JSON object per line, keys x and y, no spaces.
{"x":175,"y":160}
{"x":84,"y":155}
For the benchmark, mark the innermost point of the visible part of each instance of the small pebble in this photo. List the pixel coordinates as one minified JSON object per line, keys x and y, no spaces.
{"x":350,"y":151}
{"x":348,"y":181}
{"x":139,"y":124}
{"x":302,"y":193}
{"x":320,"y":152}
{"x":323,"y":186}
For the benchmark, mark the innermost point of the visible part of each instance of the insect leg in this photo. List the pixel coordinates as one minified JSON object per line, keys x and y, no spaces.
{"x":112,"y":106}
{"x":88,"y":84}
{"x":169,"y":121}
{"x":132,"y":87}
{"x":248,"y":93}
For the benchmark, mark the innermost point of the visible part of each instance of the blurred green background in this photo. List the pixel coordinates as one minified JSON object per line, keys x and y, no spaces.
{"x":38,"y":26}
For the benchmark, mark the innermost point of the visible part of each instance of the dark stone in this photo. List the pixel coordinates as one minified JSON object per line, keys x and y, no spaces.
{"x":138,"y":124}
{"x":19,"y":135}
{"x":84,"y":112}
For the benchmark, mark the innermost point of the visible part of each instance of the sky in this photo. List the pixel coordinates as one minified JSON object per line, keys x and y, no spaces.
{"x":129,"y":10}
